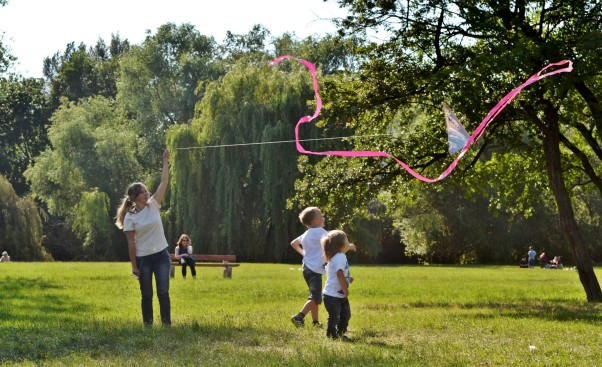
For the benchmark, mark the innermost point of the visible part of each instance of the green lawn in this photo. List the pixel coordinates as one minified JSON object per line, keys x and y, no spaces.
{"x":72,"y":314}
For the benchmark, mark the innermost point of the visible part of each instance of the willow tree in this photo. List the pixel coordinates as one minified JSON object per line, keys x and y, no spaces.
{"x":93,"y":224}
{"x":232,"y":198}
{"x":20,"y":225}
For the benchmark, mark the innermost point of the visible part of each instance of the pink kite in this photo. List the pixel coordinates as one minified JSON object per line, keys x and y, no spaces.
{"x":458,"y":137}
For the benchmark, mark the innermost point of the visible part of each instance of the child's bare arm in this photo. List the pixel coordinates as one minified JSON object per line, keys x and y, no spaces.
{"x":297,"y":246}
{"x":351,"y":247}
{"x":343,"y":281}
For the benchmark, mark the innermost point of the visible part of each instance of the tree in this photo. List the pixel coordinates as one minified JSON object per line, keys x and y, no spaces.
{"x":24,"y":114}
{"x":329,"y":53}
{"x":93,"y":223}
{"x":240,"y":193}
{"x":92,"y":158}
{"x":20,"y":225}
{"x":469,"y":54}
{"x":233,"y":199}
{"x":162,"y":80}
{"x":82,"y":72}
{"x":238,"y":45}
{"x":6,"y":59}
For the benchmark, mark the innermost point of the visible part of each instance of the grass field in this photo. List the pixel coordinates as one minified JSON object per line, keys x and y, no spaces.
{"x":74,"y":314}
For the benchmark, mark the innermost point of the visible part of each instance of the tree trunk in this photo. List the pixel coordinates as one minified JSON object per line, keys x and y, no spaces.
{"x":568,"y":224}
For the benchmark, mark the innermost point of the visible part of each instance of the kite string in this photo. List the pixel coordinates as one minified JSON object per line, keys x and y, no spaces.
{"x":283,"y":141}
{"x":496,"y":110}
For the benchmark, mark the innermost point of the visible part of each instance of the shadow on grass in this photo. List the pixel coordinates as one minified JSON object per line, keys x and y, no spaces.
{"x":106,"y":340}
{"x":551,"y":310}
{"x":40,"y":323}
{"x":35,"y":301}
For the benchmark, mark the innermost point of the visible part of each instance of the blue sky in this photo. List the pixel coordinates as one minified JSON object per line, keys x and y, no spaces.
{"x":35,"y":29}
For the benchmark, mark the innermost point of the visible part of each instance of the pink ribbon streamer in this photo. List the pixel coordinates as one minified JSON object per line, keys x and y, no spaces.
{"x":471,"y":140}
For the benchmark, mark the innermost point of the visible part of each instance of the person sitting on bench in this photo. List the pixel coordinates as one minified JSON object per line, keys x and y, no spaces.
{"x":183,"y":255}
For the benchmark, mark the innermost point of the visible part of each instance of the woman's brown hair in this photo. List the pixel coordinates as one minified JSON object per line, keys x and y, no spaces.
{"x":184,"y":236}
{"x":128,"y":202}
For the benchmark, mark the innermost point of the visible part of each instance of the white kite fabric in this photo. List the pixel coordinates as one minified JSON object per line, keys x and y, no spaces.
{"x":457,"y":136}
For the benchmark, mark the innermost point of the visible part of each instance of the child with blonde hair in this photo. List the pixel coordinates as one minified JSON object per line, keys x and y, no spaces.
{"x":308,"y":245}
{"x":338,"y":279}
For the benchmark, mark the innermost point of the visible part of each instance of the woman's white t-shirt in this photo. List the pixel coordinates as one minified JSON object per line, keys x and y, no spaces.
{"x":148,"y":226}
{"x":332,"y":287}
{"x":313,"y":257}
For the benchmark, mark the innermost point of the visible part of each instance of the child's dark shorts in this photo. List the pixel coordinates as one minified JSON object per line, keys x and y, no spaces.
{"x":314,"y":282}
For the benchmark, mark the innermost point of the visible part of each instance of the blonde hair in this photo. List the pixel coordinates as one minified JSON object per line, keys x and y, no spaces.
{"x":333,"y":242}
{"x":308,"y":215}
{"x":184,"y":235}
{"x":128,"y":202}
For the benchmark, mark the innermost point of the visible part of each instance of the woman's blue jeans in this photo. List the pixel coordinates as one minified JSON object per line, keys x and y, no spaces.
{"x":158,"y":264}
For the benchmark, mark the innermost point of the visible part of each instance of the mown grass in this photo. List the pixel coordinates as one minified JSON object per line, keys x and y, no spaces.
{"x":73,"y":314}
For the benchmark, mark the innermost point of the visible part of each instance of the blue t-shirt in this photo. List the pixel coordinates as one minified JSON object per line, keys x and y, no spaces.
{"x":532,"y":254}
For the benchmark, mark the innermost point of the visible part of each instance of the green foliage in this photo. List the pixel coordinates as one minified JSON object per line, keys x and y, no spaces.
{"x":52,"y":314}
{"x":20,"y":226}
{"x":162,"y":80}
{"x":469,"y":55}
{"x":24,"y":114}
{"x":82,"y":72}
{"x":245,"y":200}
{"x":100,"y":146}
{"x":329,"y":53}
{"x":237,"y":46}
{"x":93,"y":224}
{"x":92,"y":148}
{"x":6,"y":59}
{"x":234,"y":199}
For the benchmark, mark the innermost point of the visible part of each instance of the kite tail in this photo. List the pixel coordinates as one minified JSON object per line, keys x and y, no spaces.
{"x":477,"y":133}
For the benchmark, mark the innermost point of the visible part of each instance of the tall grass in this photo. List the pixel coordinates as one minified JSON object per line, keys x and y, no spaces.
{"x":73,"y":314}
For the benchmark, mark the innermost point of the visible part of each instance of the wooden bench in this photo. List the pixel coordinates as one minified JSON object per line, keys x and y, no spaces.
{"x":225,"y":261}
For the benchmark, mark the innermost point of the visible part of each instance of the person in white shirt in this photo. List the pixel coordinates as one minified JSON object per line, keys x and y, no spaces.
{"x":308,"y":245}
{"x":139,"y":217}
{"x":5,"y":257}
{"x":338,"y":279}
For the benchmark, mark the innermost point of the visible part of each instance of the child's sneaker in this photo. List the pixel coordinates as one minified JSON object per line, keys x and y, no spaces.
{"x":297,"y":321}
{"x":317,"y":324}
{"x":345,"y":338}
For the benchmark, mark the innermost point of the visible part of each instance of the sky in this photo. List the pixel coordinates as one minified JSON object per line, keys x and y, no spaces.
{"x":36,"y":29}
